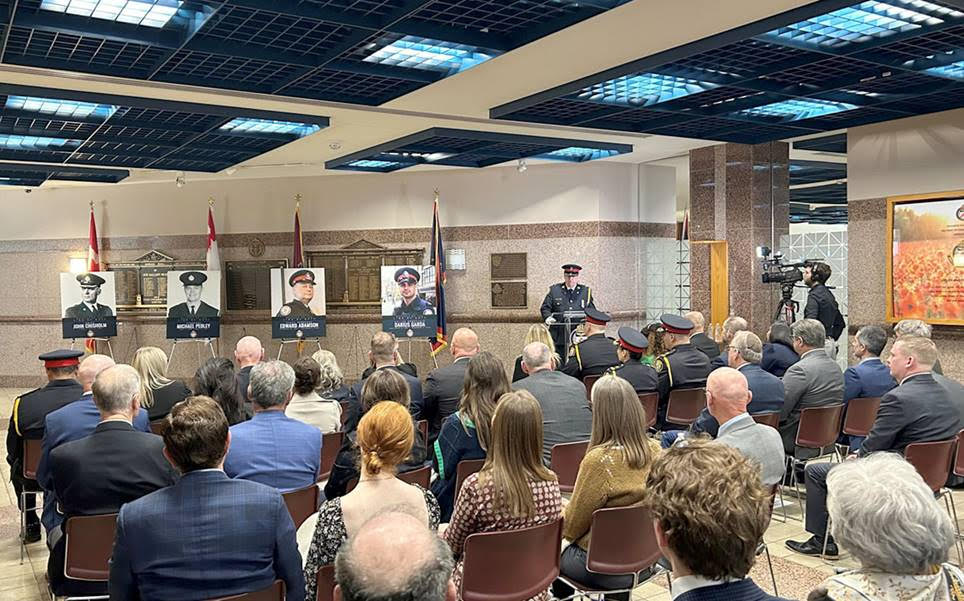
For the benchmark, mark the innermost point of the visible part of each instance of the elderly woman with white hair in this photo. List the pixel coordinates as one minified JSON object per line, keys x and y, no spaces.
{"x":896,"y":531}
{"x":916,"y":327}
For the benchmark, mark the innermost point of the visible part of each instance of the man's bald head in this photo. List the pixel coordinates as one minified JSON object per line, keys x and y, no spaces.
{"x":465,"y":343}
{"x":248,"y":351}
{"x":90,"y":367}
{"x":395,"y":556}
{"x":727,"y":393}
{"x":536,"y":356}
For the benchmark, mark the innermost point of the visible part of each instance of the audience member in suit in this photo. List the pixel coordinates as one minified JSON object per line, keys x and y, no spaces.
{"x":565,"y":411}
{"x":97,"y":474}
{"x":362,"y":574}
{"x":216,"y":379}
{"x":383,"y":385}
{"x":701,"y":341}
{"x":537,"y":332}
{"x":331,"y":382}
{"x":272,"y":448}
{"x":814,"y":381}
{"x":869,"y":377}
{"x":612,"y":474}
{"x":247,"y":353}
{"x":466,"y":433}
{"x":778,"y":353}
{"x":727,"y":398}
{"x":443,"y":386}
{"x":711,"y":545}
{"x":383,"y":356}
{"x":917,"y":327}
{"x":731,"y":325}
{"x":596,"y":353}
{"x":73,"y":422}
{"x":917,"y":410}
{"x":309,"y":407}
{"x":744,"y":353}
{"x":385,"y":440}
{"x":630,"y":349}
{"x":158,"y":392}
{"x":207,"y":536}
{"x":911,"y":561}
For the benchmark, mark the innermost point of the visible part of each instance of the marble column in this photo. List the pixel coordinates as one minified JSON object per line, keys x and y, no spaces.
{"x":738,"y":193}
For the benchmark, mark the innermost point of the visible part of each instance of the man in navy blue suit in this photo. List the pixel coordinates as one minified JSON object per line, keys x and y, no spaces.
{"x":271,"y":448}
{"x":208,"y":536}
{"x":870,"y":377}
{"x":73,"y":422}
{"x":383,"y":354}
{"x":731,"y":325}
{"x":711,"y":545}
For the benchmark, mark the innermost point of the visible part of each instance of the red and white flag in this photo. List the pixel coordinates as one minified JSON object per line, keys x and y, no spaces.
{"x":93,"y":264}
{"x":213,"y":256}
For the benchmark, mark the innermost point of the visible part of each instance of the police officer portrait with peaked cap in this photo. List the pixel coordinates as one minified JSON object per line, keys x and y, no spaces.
{"x":302,"y":283}
{"x":596,"y":353}
{"x":568,"y":295}
{"x":27,"y":421}
{"x":193,"y":307}
{"x":412,"y":305}
{"x":682,"y":365}
{"x":630,"y":346}
{"x":89,"y":309}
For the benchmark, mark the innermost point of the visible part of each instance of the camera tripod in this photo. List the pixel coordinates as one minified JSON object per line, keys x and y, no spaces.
{"x":787,"y":308}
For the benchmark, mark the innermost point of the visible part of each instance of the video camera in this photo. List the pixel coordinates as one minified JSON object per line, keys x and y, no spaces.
{"x":776,"y":271}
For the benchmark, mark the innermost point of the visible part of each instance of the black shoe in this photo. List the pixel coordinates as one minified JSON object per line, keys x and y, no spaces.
{"x":812,"y":546}
{"x":32,"y":534}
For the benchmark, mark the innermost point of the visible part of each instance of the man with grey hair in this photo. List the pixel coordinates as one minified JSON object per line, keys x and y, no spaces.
{"x":565,"y":410}
{"x":869,"y":377}
{"x":731,"y":325}
{"x":698,"y":339}
{"x":917,"y":410}
{"x":916,"y":327}
{"x":271,"y":448}
{"x":394,"y":556}
{"x":247,"y":353}
{"x":813,"y":381}
{"x":97,"y":474}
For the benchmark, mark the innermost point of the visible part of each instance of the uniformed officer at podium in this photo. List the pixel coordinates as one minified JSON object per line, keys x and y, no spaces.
{"x":631,"y":346}
{"x":569,"y":295}
{"x":596,"y":353}
{"x":683,"y":365}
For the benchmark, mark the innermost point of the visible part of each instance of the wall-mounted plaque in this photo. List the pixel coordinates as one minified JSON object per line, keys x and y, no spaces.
{"x":352,"y":273}
{"x":509,"y":295}
{"x":142,"y":283}
{"x":248,"y":283}
{"x":508,"y":266}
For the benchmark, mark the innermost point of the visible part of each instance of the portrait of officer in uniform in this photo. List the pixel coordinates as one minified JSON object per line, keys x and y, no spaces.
{"x":192,"y":307}
{"x":412,"y":305}
{"x":568,"y":295}
{"x":89,"y":308}
{"x":302,"y":285}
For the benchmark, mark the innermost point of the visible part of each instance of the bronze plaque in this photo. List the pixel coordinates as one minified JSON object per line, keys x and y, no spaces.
{"x":353,"y":273}
{"x":364,"y":279}
{"x":126,"y":285}
{"x":509,"y":295}
{"x":508,"y":266}
{"x":248,"y":283}
{"x":154,"y":285}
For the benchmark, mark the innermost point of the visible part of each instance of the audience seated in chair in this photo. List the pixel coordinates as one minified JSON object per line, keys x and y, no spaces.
{"x":565,"y":410}
{"x":778,"y":352}
{"x":698,"y":338}
{"x":216,"y":379}
{"x":917,"y":410}
{"x":383,"y":356}
{"x":385,"y":439}
{"x":158,"y":392}
{"x":711,"y":545}
{"x":247,"y":353}
{"x":537,"y":332}
{"x":207,"y":536}
{"x":306,"y":404}
{"x":869,"y":377}
{"x":612,"y":474}
{"x":383,"y":385}
{"x":331,"y":382}
{"x":443,"y":386}
{"x":466,"y":434}
{"x":394,"y":556}
{"x":916,"y":327}
{"x":514,"y":489}
{"x":910,"y":560}
{"x":97,"y":474}
{"x":731,"y":325}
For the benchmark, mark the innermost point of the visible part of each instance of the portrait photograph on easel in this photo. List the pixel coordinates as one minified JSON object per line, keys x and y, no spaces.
{"x":408,"y":300}
{"x":193,"y":304}
{"x":88,"y":305}
{"x":297,"y":303}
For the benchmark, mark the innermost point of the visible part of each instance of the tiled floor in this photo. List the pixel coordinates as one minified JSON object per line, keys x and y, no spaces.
{"x":795,"y":574}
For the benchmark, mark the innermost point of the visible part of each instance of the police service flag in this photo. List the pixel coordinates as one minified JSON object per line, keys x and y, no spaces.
{"x":438,"y":262}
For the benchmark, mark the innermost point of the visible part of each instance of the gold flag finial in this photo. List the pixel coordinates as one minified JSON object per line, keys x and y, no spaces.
{"x":210,"y":201}
{"x":92,"y":205}
{"x":298,"y":199}
{"x":436,"y":193}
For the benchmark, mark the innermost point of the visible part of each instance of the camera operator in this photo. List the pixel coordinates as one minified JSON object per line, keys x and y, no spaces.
{"x":821,"y":304}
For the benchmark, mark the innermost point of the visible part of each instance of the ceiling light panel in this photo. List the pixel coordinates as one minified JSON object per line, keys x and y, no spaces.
{"x":148,"y":13}
{"x":645,"y":89}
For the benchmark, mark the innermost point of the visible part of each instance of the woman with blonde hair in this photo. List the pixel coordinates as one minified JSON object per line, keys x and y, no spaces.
{"x":385,"y":438}
{"x":537,"y":333}
{"x":331,"y":382}
{"x":158,"y":392}
{"x":612,"y":474}
{"x":514,"y":489}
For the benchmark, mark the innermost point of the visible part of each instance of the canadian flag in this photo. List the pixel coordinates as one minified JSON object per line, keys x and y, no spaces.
{"x":213,"y":256}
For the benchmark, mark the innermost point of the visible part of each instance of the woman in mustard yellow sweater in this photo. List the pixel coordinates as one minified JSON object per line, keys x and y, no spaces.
{"x":612,"y":474}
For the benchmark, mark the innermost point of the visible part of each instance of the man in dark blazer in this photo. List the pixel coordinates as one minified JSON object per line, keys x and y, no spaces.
{"x":193,"y":307}
{"x":596,"y":353}
{"x":918,"y":410}
{"x":97,"y":474}
{"x":384,"y":349}
{"x":699,"y":339}
{"x":443,"y":386}
{"x":731,"y":325}
{"x":566,"y":415}
{"x":869,"y":377}
{"x":208,"y":536}
{"x":247,"y":353}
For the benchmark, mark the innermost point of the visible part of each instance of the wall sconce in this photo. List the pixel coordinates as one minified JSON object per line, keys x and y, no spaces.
{"x":78,"y":264}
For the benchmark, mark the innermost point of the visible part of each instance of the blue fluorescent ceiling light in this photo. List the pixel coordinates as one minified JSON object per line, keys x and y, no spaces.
{"x":797,"y":109}
{"x":429,"y":55}
{"x":268,"y":126}
{"x":643,"y":90}
{"x":33,"y":142}
{"x":369,"y":164}
{"x":149,"y":13}
{"x":65,"y":109}
{"x":578,"y":154}
{"x":953,"y":70}
{"x":864,"y":21}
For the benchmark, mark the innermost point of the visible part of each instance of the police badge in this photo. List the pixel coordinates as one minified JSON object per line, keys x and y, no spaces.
{"x":285,"y":311}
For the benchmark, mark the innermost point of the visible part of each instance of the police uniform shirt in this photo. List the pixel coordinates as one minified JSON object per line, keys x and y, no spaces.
{"x":560,"y":299}
{"x":85,"y":312}
{"x":417,"y":308}
{"x":31,"y":409}
{"x":642,"y":377}
{"x":295,"y":308}
{"x":592,"y":357}
{"x":182,"y":311}
{"x":684,"y":366}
